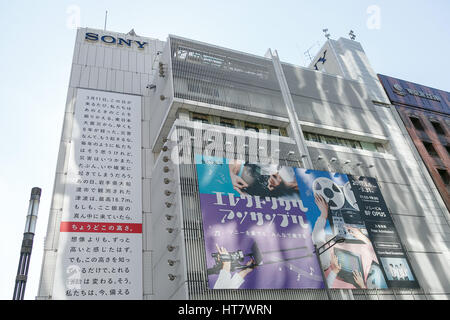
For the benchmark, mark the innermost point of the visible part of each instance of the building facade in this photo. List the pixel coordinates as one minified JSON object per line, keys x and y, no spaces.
{"x":425,"y":113}
{"x":145,"y":186}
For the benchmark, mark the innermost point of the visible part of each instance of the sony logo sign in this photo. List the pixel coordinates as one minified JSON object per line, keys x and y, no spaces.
{"x":94,"y":37}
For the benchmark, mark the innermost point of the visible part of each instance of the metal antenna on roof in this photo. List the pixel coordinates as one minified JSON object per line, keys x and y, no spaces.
{"x":106,"y":18}
{"x":307,"y":53}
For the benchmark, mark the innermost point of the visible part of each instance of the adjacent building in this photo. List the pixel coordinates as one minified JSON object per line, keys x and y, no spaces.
{"x":192,"y":171}
{"x":425,"y":113}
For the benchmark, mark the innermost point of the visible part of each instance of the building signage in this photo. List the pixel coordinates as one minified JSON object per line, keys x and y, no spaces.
{"x":398,"y":89}
{"x":108,"y":39}
{"x":415,"y":95}
{"x":100,"y":242}
{"x":261,"y":223}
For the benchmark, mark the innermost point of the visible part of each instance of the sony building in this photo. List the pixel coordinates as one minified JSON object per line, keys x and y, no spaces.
{"x":191,"y":171}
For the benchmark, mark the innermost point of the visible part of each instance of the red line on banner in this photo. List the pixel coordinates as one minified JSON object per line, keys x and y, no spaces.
{"x":100,"y":227}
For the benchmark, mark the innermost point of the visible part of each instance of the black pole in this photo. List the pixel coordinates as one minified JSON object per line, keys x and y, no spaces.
{"x":27,"y":245}
{"x":323,"y":273}
{"x":337,"y":239}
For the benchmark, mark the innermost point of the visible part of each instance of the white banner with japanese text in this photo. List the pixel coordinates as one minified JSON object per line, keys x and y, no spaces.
{"x":100,"y":242}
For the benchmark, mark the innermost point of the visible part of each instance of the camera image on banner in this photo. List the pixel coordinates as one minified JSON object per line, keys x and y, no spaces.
{"x":352,"y":207}
{"x":261,"y":222}
{"x":333,"y":210}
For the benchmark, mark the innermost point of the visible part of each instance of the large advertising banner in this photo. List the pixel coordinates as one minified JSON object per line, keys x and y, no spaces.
{"x":255,"y":227}
{"x":353,"y":208}
{"x":100,"y":239}
{"x":261,"y":223}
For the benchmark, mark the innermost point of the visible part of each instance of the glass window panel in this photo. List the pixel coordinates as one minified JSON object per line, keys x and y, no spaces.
{"x":251,"y":126}
{"x":322,"y":139}
{"x":380,"y":147}
{"x":227,"y":123}
{"x":368,"y":146}
{"x":438,"y":128}
{"x":331,"y":140}
{"x":200,"y":117}
{"x":417,"y":124}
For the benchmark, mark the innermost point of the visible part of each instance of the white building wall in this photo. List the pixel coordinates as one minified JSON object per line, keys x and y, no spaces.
{"x":347,"y":58}
{"x":107,"y":67}
{"x":417,"y":208}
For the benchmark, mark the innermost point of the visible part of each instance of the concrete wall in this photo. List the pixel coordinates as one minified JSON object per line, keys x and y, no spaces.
{"x":347,"y":58}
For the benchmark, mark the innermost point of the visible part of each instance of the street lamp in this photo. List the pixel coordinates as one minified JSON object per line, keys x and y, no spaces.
{"x":333,"y":241}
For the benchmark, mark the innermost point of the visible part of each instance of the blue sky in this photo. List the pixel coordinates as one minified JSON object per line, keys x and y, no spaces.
{"x":403,"y":39}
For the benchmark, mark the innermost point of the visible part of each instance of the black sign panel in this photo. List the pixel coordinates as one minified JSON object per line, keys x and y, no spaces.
{"x":383,"y":234}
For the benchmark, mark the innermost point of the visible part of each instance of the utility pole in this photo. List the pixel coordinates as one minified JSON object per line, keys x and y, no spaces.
{"x":27,"y":244}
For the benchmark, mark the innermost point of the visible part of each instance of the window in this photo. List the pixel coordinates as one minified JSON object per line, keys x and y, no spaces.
{"x":380,"y":147}
{"x":444,"y":176}
{"x":331,"y":140}
{"x":233,"y":123}
{"x":416,"y":123}
{"x":438,"y":128}
{"x":368,"y":146}
{"x":282,"y":131}
{"x":227,"y":123}
{"x":355,"y":144}
{"x":269,"y":129}
{"x":431,"y":150}
{"x":251,"y":126}
{"x":311,"y":136}
{"x":349,"y":143}
{"x":203,"y":118}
